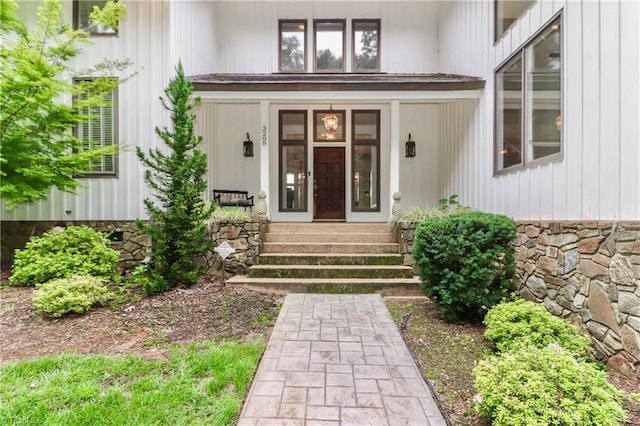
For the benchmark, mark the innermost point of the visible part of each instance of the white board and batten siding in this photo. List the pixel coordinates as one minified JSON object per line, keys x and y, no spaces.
{"x":155,"y":35}
{"x":217,"y":37}
{"x":227,"y":123}
{"x":246,"y":33}
{"x":599,"y":176}
{"x":143,"y":38}
{"x":421,"y":176}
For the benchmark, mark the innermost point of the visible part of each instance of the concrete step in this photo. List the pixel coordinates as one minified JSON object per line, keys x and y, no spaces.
{"x":371,"y":248}
{"x":386,"y":287}
{"x":337,"y":237}
{"x":329,"y":227}
{"x":330,"y":259}
{"x":330,"y":271}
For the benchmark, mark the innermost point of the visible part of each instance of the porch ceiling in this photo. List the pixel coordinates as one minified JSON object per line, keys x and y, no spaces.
{"x":335,"y":82}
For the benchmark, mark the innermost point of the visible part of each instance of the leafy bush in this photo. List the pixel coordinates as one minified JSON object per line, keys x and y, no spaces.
{"x":76,"y":294}
{"x":519,"y":324}
{"x":466,"y":261}
{"x":62,"y":253}
{"x":545,"y":387}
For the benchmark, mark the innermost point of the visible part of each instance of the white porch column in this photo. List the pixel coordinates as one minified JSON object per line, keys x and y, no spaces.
{"x":394,"y":151}
{"x":264,"y":149}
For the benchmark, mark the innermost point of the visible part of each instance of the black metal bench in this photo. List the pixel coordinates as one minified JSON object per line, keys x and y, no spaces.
{"x":231,"y":198}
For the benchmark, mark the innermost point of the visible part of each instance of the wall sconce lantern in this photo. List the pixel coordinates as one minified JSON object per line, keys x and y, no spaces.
{"x":410,"y":148}
{"x":247,"y":147}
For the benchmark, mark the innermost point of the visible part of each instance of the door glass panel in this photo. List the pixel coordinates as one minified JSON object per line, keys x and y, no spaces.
{"x":294,"y":188}
{"x":293,"y":161}
{"x":365,"y":164}
{"x":365,"y":177}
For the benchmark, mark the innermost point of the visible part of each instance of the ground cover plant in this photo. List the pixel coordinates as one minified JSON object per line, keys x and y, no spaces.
{"x":63,"y":253}
{"x":548,"y":386}
{"x":540,"y":374}
{"x":466,"y":261}
{"x":76,"y":294}
{"x":521,"y":324}
{"x":198,"y":384}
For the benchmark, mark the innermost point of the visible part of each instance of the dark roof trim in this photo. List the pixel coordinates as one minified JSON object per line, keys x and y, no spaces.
{"x":334,"y":82}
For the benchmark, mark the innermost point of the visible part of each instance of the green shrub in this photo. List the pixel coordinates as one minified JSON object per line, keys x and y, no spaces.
{"x":521,"y":323}
{"x":466,"y":261}
{"x":76,"y":250}
{"x":76,"y":294}
{"x":545,"y":387}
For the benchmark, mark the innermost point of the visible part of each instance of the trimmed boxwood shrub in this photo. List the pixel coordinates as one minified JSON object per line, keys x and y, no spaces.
{"x":76,"y":294}
{"x":466,"y":262}
{"x":521,"y":323}
{"x":62,"y":253}
{"x":547,"y":386}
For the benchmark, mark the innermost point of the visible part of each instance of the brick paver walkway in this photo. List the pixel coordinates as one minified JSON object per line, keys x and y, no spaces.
{"x":338,"y":360}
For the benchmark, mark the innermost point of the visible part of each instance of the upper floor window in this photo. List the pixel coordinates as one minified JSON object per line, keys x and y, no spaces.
{"x":329,"y":44}
{"x":81,"y":17}
{"x":99,"y":130}
{"x":366,"y":45}
{"x":293,"y":42}
{"x":528,"y":105}
{"x":507,"y":12}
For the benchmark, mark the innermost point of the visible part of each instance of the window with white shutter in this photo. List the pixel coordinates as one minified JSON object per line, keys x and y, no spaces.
{"x":100,"y":131}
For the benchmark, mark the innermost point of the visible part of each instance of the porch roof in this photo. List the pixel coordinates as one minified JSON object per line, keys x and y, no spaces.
{"x":335,"y":82}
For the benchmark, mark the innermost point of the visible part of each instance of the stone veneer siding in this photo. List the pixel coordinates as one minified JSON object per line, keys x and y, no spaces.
{"x":245,"y":237}
{"x":589,"y":273}
{"x":586,"y":272}
{"x":405,"y":233}
{"x":15,"y":235}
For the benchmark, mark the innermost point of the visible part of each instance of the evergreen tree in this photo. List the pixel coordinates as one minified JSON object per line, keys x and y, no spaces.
{"x":178,"y":213}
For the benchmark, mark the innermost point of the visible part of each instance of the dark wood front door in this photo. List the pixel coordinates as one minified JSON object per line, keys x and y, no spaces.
{"x":328,"y":183}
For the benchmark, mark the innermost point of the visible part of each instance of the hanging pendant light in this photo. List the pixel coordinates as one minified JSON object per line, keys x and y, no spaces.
{"x":330,"y":122}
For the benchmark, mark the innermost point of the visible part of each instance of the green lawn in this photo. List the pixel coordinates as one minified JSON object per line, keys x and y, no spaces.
{"x":199,"y":384}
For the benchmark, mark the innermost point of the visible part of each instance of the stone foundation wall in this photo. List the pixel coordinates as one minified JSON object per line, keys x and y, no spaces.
{"x":586,"y":272}
{"x":126,"y":238}
{"x":244,"y":237}
{"x":589,"y":273}
{"x":405,"y":233}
